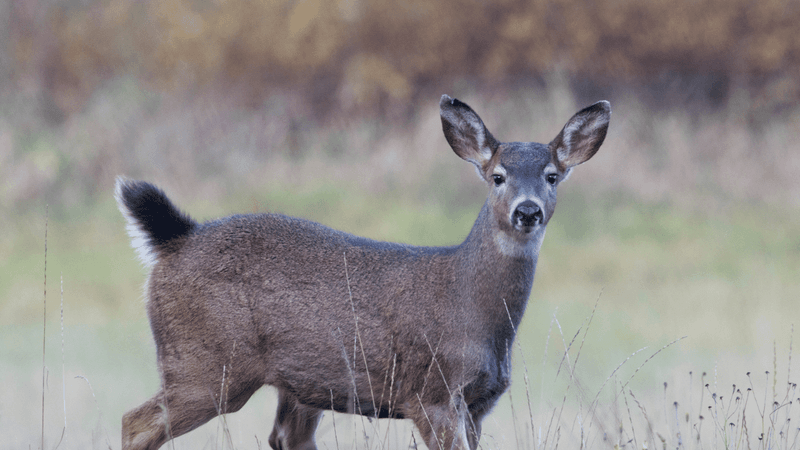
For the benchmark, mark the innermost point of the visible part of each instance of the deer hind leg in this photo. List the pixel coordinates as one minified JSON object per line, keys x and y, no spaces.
{"x":474,"y":428}
{"x":294,"y":424}
{"x":162,"y":418}
{"x":444,"y":427}
{"x":186,"y":407}
{"x":144,"y":427}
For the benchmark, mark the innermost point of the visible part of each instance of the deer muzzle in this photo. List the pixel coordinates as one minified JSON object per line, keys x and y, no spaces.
{"x":527,"y":215}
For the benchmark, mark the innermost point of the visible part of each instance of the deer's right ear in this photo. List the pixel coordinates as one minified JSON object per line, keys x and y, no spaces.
{"x":466,"y":133}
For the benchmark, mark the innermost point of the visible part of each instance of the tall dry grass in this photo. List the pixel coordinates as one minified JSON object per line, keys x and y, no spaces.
{"x":711,"y":408}
{"x":694,"y":155}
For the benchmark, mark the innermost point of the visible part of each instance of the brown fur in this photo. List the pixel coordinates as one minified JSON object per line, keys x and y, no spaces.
{"x":330,"y":319}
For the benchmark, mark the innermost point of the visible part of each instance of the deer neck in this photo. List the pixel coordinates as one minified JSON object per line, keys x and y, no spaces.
{"x":499,"y":269}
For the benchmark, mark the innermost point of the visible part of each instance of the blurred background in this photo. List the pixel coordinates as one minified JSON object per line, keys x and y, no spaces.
{"x":686,"y":223}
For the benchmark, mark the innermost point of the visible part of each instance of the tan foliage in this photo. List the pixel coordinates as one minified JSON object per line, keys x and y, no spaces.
{"x":377,"y":49}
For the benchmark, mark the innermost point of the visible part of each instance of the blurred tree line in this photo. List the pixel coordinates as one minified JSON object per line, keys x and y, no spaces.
{"x":366,"y":53}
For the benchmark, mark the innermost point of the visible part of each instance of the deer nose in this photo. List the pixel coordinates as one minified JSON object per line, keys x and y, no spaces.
{"x":528,"y":214}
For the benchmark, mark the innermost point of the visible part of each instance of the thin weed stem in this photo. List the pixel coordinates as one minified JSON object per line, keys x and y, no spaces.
{"x":44,"y":320}
{"x":63,"y":373}
{"x":430,"y":424}
{"x":358,"y":332}
{"x":357,"y":340}
{"x":333,"y":419}
{"x":586,"y":331}
{"x":546,"y":347}
{"x":566,"y":349}
{"x":594,"y":403}
{"x":97,"y":405}
{"x":630,"y":419}
{"x":525,"y":376}
{"x":648,"y":359}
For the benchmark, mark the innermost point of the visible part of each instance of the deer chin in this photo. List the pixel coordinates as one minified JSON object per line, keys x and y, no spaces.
{"x":527,"y":228}
{"x":520,"y":244}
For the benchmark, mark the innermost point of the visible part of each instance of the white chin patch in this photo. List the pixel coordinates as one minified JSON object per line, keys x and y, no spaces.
{"x":528,"y":248}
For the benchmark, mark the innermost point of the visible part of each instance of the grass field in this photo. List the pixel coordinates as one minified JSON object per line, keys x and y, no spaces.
{"x":725,"y":282}
{"x":641,"y":252}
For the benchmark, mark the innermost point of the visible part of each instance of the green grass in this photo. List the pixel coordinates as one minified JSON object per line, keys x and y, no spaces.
{"x":726,"y":281}
{"x":676,"y":226}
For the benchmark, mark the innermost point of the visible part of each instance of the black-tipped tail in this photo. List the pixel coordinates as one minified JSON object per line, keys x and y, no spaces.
{"x":154,"y":223}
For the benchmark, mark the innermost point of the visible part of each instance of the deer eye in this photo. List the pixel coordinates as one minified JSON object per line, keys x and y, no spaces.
{"x":552,"y":178}
{"x":498,"y":179}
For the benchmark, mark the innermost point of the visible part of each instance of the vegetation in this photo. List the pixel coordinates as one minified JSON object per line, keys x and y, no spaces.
{"x":685,"y":224}
{"x":659,"y":273}
{"x":360,"y":52}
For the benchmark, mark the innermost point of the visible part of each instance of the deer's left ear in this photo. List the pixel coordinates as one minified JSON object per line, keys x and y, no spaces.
{"x":582,"y":136}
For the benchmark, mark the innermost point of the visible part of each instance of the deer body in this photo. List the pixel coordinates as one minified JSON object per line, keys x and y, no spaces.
{"x":336,"y":321}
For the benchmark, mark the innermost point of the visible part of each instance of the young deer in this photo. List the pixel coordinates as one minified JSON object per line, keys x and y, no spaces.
{"x":344,"y":323}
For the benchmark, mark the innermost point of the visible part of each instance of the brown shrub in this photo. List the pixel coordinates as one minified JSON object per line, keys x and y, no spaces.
{"x":361,"y":52}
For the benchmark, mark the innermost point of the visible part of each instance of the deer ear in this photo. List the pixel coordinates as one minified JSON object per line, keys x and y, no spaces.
{"x":582,"y":136}
{"x":466,"y":133}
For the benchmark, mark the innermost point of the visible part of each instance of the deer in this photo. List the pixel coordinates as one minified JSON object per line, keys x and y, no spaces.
{"x":338,"y":322}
